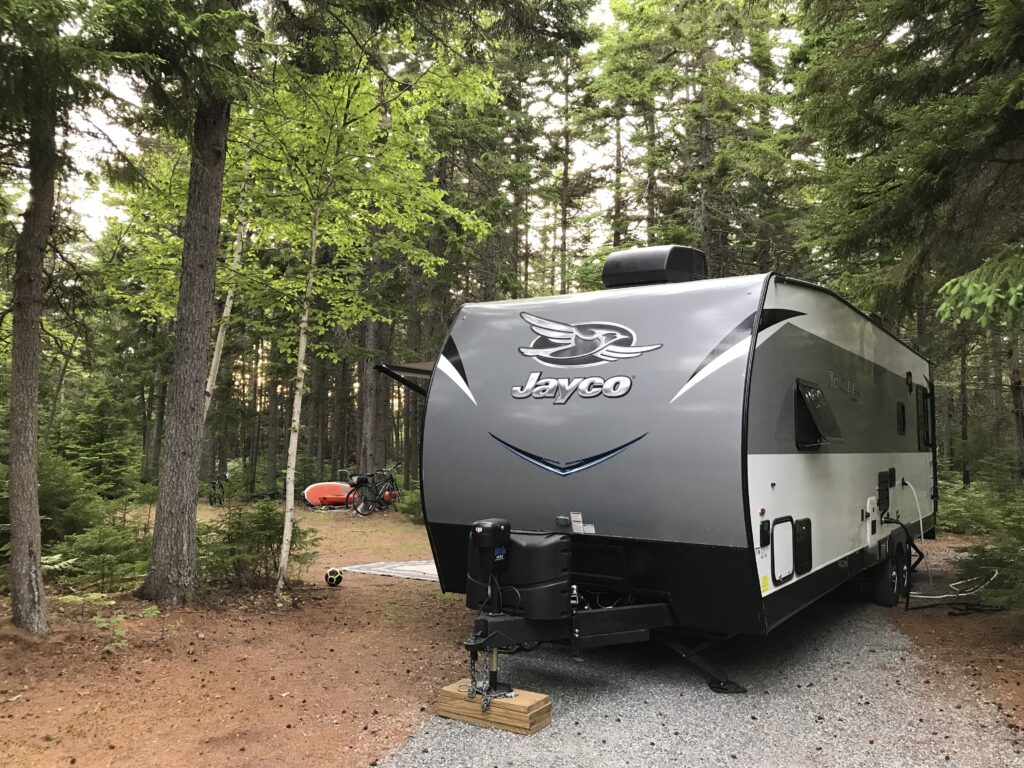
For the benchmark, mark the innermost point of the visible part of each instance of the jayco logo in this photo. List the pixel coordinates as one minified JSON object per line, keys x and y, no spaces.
{"x":842,"y":383}
{"x":563,"y":389}
{"x":583,"y":344}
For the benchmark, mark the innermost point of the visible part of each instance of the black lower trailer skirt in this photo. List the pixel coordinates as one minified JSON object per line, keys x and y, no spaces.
{"x":710,"y":591}
{"x":590,"y":628}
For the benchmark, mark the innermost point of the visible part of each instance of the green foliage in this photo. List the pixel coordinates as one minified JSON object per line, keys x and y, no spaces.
{"x":102,"y":441}
{"x":54,"y":54}
{"x":913,"y":104}
{"x":976,"y":508}
{"x":991,"y":294}
{"x":410,"y":504}
{"x":242,"y":547}
{"x":998,"y":513}
{"x":68,"y":501}
{"x":114,"y":625}
{"x":88,"y":599}
{"x":108,"y":557}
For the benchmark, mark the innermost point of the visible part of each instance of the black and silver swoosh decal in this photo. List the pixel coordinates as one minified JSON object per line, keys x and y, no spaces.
{"x":734,"y":344}
{"x":733,"y":337}
{"x":565,"y":468}
{"x":770,"y":317}
{"x":450,"y":364}
{"x":451,"y":352}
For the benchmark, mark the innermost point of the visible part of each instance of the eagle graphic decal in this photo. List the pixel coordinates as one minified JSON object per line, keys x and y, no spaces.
{"x":576,"y":345}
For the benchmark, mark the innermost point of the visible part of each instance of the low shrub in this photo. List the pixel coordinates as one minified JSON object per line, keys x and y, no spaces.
{"x":410,"y":504}
{"x":68,"y":501}
{"x":998,"y":513}
{"x":242,"y":547}
{"x":109,"y":557}
{"x":975,"y":508}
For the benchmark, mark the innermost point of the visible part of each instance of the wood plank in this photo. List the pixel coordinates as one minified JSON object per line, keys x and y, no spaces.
{"x":468,"y":705}
{"x":470,"y":708}
{"x":525,"y":713}
{"x":523,"y":701}
{"x":488,"y":724}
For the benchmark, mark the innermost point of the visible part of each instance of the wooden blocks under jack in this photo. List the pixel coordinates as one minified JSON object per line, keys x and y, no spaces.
{"x":526,"y":712}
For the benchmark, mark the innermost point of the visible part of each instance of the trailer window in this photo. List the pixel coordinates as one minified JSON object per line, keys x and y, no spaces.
{"x":815,"y":422}
{"x":924,"y":418}
{"x":901,"y":419}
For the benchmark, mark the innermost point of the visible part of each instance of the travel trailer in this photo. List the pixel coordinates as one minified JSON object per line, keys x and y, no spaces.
{"x":672,"y":455}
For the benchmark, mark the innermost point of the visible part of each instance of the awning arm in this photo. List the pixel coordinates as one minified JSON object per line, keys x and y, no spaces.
{"x":387,"y":371}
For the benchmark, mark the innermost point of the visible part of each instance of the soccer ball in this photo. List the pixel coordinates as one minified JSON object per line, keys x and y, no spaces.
{"x":333,"y":577}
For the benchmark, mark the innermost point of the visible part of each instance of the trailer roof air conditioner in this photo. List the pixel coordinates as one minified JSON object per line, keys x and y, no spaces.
{"x":654,"y":264}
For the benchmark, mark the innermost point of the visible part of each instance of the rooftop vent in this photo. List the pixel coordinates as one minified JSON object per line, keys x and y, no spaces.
{"x":654,"y":264}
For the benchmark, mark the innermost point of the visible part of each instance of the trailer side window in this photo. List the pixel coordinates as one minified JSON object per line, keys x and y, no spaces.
{"x":924,"y":418}
{"x":815,"y":422}
{"x":901,"y":419}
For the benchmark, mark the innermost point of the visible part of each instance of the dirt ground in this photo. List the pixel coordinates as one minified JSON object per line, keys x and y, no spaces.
{"x":341,"y":679}
{"x":985,"y":649}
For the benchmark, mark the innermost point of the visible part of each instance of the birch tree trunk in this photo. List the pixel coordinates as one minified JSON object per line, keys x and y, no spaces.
{"x":368,"y":385}
{"x":293,"y":435}
{"x":273,"y":406}
{"x":28,"y":603}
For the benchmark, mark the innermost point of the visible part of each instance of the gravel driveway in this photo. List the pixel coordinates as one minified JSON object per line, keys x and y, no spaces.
{"x":836,"y":686}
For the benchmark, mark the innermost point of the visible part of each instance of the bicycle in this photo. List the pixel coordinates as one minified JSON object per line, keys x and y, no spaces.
{"x":215,"y":490}
{"x":373,"y":492}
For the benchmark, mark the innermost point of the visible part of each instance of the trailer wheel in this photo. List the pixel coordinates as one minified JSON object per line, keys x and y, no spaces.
{"x":886,"y":578}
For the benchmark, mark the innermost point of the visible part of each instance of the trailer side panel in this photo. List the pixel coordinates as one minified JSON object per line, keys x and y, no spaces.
{"x":815,"y":509}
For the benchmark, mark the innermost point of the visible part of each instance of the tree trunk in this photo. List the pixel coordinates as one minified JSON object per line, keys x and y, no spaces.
{"x":220,"y":426}
{"x":347,"y":418}
{"x":158,"y":424}
{"x":964,"y":469}
{"x":618,"y":203}
{"x":58,"y":389}
{"x":254,"y":414}
{"x":997,"y":352}
{"x":147,"y":398}
{"x":1017,"y":397}
{"x":293,"y":435}
{"x":368,"y":385}
{"x":338,"y":418}
{"x":273,"y":406}
{"x":651,"y":192}
{"x":229,"y":300}
{"x":408,"y":438}
{"x":28,"y":602}
{"x":563,"y":197}
{"x":172,"y":564}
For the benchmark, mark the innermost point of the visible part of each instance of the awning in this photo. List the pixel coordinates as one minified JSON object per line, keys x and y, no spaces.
{"x":403,"y":373}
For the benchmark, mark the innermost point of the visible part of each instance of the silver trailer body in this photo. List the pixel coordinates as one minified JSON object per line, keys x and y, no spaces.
{"x":719,"y":445}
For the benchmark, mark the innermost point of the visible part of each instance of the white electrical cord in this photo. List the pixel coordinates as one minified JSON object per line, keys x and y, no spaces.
{"x":956,"y":587}
{"x":920,"y":528}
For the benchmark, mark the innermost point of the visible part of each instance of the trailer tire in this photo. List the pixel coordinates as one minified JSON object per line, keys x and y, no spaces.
{"x":885,"y":579}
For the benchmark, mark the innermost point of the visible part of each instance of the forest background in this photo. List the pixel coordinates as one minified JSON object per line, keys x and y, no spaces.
{"x":216,"y":217}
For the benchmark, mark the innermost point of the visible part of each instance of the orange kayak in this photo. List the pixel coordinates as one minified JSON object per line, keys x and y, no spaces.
{"x":326,"y":494}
